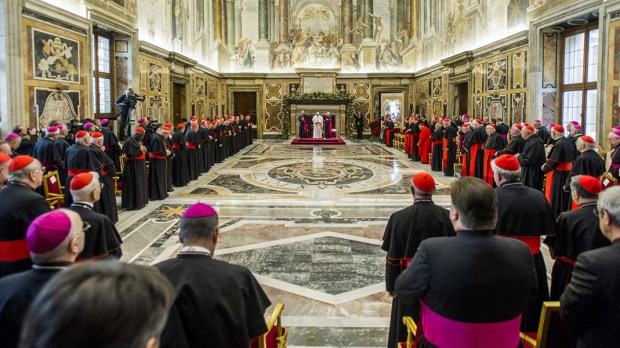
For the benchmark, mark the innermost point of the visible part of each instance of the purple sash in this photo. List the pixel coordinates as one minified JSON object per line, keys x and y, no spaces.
{"x":504,"y":136}
{"x":444,"y":332}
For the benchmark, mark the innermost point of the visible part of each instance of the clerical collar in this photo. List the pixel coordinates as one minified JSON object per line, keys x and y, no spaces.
{"x":511,"y":183}
{"x":52,"y":266}
{"x":587,"y":204}
{"x":195,"y":250}
{"x":17,"y":183}
{"x":83,"y":205}
{"x":422,"y":200}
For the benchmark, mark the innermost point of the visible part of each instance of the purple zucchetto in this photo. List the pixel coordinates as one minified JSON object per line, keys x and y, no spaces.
{"x":104,"y":121}
{"x":48,"y":231}
{"x":199,"y":210}
{"x":617,"y":127}
{"x":12,"y":136}
{"x":88,"y":125}
{"x":616,"y":132}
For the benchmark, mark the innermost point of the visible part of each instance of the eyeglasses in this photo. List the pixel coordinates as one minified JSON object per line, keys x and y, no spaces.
{"x":42,"y":169}
{"x":101,"y":185}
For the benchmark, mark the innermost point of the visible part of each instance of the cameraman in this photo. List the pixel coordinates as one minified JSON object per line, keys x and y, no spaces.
{"x":126,"y":103}
{"x":29,"y":138}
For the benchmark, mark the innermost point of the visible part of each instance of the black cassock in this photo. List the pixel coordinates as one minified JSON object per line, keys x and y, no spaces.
{"x":102,"y":239}
{"x":79,"y":159}
{"x":107,"y":202}
{"x":523,"y":213}
{"x":576,"y":231}
{"x":217,"y":304}
{"x":135,"y":191}
{"x":180,"y":175}
{"x":17,"y":293}
{"x":112,"y":147}
{"x":415,"y":129}
{"x":19,"y":205}
{"x":204,"y":153}
{"x":46,"y":151}
{"x":531,"y":159}
{"x":168,"y":144}
{"x":515,"y":146}
{"x":543,"y":134}
{"x":614,"y":168}
{"x":573,"y":140}
{"x":211,"y":149}
{"x":193,"y":148}
{"x":588,"y":163}
{"x":437,"y":150}
{"x":449,"y":142}
{"x":404,"y":232}
{"x":158,"y":171}
{"x":557,"y":170}
{"x":62,"y":145}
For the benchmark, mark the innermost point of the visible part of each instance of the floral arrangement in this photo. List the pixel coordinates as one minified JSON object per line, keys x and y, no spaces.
{"x":375,"y":128}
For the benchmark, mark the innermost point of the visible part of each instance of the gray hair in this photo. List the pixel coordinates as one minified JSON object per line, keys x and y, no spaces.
{"x":23,"y":174}
{"x":198,"y":228}
{"x":587,"y":146}
{"x":609,"y":201}
{"x":509,"y":175}
{"x":576,"y":186}
{"x":83,"y":195}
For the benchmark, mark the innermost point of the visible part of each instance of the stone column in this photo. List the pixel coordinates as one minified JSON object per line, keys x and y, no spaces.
{"x":238,"y":19}
{"x":262,"y":47}
{"x":348,"y":21}
{"x":401,"y":14}
{"x":224,"y":21}
{"x":368,"y":29}
{"x":284,"y":21}
{"x":230,"y":21}
{"x":218,"y":20}
{"x":393,"y":18}
{"x":263,"y":19}
{"x":413,"y":19}
{"x":11,"y":68}
{"x":272,"y":20}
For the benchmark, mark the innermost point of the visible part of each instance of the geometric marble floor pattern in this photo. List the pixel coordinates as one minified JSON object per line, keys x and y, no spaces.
{"x":308,"y":222}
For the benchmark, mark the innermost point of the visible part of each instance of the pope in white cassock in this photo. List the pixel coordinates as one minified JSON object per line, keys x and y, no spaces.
{"x":317,"y":121}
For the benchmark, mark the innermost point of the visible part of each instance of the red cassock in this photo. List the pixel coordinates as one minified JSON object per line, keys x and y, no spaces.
{"x":424,"y":144}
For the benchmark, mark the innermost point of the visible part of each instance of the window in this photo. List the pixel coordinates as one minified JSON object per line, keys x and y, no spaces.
{"x":579,"y":78}
{"x":102,"y":75}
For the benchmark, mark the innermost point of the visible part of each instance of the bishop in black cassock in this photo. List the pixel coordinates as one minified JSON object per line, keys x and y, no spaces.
{"x":158,"y":171}
{"x":557,"y":168}
{"x":516,"y":144}
{"x":180,"y":174}
{"x":107,"y":203}
{"x":531,"y":159}
{"x":576,"y":231}
{"x":46,"y":151}
{"x":193,"y":155}
{"x":217,"y":304}
{"x":523,"y":213}
{"x":449,"y":148}
{"x":493,"y":144}
{"x":437,"y":149}
{"x":589,"y":161}
{"x":62,"y":145}
{"x":112,"y":146}
{"x":404,"y":232}
{"x":80,"y":159}
{"x":135,"y":190}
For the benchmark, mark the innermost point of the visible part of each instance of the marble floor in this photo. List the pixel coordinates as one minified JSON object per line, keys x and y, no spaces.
{"x":308,"y":222}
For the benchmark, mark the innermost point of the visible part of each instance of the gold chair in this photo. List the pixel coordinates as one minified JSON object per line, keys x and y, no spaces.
{"x":552,"y":332}
{"x":412,"y":329}
{"x":118,"y":183}
{"x":608,"y":180}
{"x":276,"y":335}
{"x":53,"y":189}
{"x":458,"y":161}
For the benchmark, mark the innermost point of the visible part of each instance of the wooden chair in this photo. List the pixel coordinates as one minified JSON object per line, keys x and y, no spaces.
{"x":276,"y":335}
{"x":412,"y":329}
{"x":552,"y":332}
{"x":53,"y":189}
{"x":118,"y":183}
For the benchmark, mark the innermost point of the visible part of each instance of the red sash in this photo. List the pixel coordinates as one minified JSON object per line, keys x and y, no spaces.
{"x":141,"y":157}
{"x":156,"y":156}
{"x":176,"y":146}
{"x":564,"y":166}
{"x":191,"y":146}
{"x":445,"y":151}
{"x":566,"y":260}
{"x":400,"y":262}
{"x":14,"y":250}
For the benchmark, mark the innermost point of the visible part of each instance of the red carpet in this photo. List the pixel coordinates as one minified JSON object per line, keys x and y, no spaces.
{"x":318,"y":141}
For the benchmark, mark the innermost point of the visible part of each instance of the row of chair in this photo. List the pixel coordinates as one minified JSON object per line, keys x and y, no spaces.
{"x":552,"y":332}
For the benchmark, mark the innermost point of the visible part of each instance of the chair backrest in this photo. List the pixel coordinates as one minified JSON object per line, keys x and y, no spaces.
{"x":552,"y":332}
{"x":412,"y":330}
{"x":122,"y":163}
{"x":51,"y":184}
{"x":276,"y":335}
